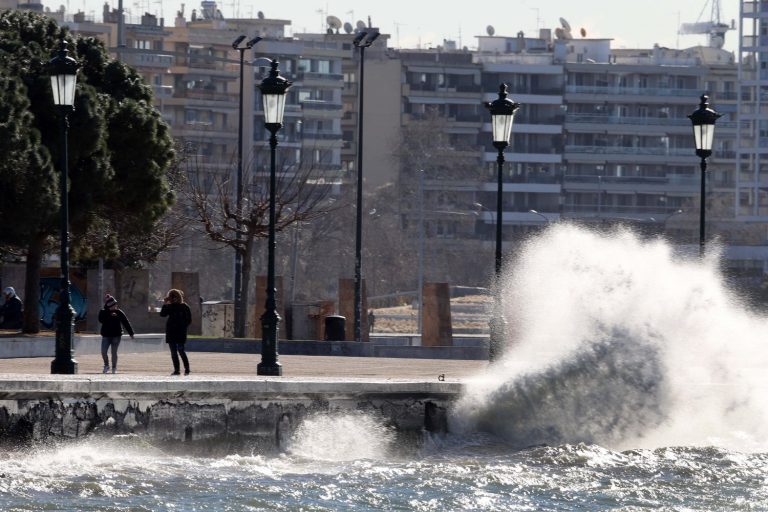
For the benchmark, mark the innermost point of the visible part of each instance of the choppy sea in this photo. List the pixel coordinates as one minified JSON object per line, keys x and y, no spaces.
{"x":635,"y":379}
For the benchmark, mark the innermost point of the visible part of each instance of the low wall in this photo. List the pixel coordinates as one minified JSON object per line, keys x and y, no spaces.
{"x":396,"y":346}
{"x":238,"y":413}
{"x":43,"y":346}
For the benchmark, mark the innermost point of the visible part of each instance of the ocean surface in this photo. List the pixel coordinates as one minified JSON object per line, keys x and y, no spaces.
{"x":634,"y":379}
{"x":455,"y":474}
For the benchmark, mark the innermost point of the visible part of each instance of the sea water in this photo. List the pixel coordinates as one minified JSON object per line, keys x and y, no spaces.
{"x":633,"y":379}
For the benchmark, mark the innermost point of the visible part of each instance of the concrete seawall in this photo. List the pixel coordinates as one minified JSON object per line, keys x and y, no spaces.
{"x":235,"y":412}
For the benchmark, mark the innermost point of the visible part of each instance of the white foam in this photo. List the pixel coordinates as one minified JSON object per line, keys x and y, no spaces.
{"x":603,"y":323}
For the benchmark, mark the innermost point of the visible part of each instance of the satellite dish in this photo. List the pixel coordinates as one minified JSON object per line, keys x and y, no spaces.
{"x":260,"y":15}
{"x":490,"y":30}
{"x":348,"y":27}
{"x":559,"y":33}
{"x":333,"y":22}
{"x":360,"y":25}
{"x":583,"y":32}
{"x":565,"y":24}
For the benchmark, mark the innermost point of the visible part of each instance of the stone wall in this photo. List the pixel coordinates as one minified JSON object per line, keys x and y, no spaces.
{"x":243,"y":415}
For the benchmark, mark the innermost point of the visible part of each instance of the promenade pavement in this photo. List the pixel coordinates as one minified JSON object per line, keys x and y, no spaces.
{"x":210,"y":364}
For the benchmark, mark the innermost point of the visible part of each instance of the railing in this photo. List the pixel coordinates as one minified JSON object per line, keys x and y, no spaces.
{"x":313,"y":75}
{"x":320,"y":105}
{"x":598,"y":181}
{"x":642,"y":91}
{"x":604,"y":119}
{"x":646,"y":213}
{"x":660,"y":121}
{"x":321,"y":135}
{"x":155,"y":60}
{"x":627,"y":150}
{"x":203,"y":94}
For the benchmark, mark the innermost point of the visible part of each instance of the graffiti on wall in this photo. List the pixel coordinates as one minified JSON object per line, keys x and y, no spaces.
{"x":49,"y":301}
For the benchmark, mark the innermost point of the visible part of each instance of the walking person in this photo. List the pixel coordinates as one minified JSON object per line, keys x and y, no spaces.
{"x":179,"y":317}
{"x":112,"y":322}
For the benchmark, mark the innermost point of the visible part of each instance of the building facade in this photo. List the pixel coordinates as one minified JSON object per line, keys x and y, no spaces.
{"x":602,"y":136}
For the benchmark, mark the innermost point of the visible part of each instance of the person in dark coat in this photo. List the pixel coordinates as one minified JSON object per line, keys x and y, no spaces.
{"x":112,"y":322}
{"x":11,"y":311}
{"x":179,"y":317}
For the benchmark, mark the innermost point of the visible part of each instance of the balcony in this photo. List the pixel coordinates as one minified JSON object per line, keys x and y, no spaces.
{"x":147,"y":60}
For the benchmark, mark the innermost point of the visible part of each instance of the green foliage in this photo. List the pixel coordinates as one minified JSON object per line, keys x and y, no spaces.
{"x":119,"y":146}
{"x":27,"y":178}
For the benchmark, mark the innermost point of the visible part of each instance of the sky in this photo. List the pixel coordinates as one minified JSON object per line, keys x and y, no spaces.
{"x":424,"y":24}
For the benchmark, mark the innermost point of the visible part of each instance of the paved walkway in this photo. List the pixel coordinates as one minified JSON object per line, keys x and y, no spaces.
{"x":220,"y":364}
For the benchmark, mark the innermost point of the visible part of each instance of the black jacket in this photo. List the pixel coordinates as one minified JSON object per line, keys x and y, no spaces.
{"x":179,"y":317}
{"x":11,"y":313}
{"x":111,"y":322}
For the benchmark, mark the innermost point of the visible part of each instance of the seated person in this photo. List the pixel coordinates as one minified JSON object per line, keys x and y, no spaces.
{"x":11,"y":310}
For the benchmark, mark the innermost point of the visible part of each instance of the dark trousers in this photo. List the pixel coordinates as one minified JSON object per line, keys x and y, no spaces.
{"x":106,"y":343}
{"x":177,"y":349}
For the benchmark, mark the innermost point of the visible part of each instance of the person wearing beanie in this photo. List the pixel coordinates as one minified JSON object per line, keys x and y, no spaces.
{"x":11,"y":312}
{"x":112,"y":322}
{"x":179,"y":317}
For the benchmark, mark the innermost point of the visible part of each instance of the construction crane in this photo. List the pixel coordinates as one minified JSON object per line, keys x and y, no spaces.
{"x":714,"y":28}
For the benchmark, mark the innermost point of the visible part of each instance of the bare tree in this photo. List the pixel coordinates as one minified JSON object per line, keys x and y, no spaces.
{"x":302,"y":195}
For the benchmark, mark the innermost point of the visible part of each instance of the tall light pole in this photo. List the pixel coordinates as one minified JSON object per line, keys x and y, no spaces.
{"x":703,"y":120}
{"x":362,"y":41}
{"x":273,"y":89}
{"x":238,"y":281}
{"x":420,"y":277}
{"x":63,"y":71}
{"x":502,"y":112}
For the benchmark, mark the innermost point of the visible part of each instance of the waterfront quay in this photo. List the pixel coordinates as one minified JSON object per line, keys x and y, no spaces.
{"x":223,"y":400}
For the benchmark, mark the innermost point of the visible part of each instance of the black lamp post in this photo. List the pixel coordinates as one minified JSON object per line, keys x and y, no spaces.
{"x":273,"y":89}
{"x":502,"y":112}
{"x":362,"y":41}
{"x":239,"y":306}
{"x":63,"y":71}
{"x":703,"y":120}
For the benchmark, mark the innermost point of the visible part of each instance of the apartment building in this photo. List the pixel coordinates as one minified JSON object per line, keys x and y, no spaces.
{"x":751,"y":177}
{"x":602,"y":136}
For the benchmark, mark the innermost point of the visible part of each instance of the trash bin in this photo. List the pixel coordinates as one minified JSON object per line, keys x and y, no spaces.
{"x":334,"y":328}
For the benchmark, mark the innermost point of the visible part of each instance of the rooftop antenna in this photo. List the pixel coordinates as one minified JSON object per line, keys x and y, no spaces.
{"x":397,"y":32}
{"x":538,"y":18}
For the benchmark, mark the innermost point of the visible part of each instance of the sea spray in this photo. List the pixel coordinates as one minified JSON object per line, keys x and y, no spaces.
{"x":619,"y":341}
{"x":341,"y":437}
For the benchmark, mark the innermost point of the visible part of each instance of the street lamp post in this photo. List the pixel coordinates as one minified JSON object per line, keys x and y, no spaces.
{"x":703,"y":120}
{"x":238,"y":283}
{"x":63,"y":71}
{"x":273,"y":89}
{"x":535,"y":212}
{"x":502,"y":112}
{"x":362,"y":41}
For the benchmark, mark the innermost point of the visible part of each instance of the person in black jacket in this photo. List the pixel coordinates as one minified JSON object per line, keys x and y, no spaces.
{"x":11,"y":310}
{"x":112,"y":322}
{"x":179,"y":317}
